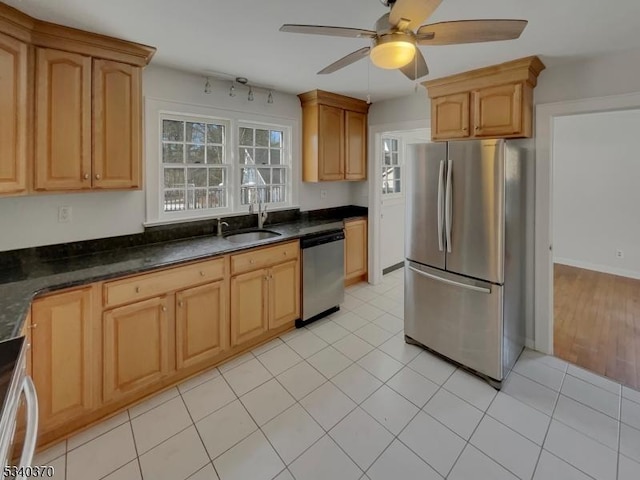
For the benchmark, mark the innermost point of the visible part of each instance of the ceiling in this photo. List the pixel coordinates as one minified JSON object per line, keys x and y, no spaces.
{"x":241,"y":37}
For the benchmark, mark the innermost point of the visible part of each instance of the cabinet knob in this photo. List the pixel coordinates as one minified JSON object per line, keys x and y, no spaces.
{"x":201,"y":273}
{"x":284,"y":253}
{"x":137,"y":289}
{"x":164,"y":309}
{"x":180,"y":303}
{"x":34,"y":325}
{"x":251,"y":260}
{"x":477,"y":127}
{"x":98,"y":176}
{"x":86,"y":176}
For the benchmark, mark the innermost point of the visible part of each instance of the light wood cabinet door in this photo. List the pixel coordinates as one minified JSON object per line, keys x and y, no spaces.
{"x":13,"y":115}
{"x":201,"y":324}
{"x":284,"y":294}
{"x":330,"y":143}
{"x":249,"y":309}
{"x":63,"y":356}
{"x":136,"y":347}
{"x":63,"y":121}
{"x":355,"y":249}
{"x":498,"y":110}
{"x":355,"y":145}
{"x":117,"y":125}
{"x":450,"y":116}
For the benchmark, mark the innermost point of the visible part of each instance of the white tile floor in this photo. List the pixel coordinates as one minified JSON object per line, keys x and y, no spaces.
{"x":347,"y":398}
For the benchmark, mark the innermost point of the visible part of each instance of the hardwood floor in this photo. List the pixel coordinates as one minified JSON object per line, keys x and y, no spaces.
{"x":597,"y":322}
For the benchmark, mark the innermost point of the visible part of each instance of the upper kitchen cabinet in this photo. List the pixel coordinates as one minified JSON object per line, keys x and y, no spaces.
{"x":492,"y":102}
{"x":13,"y":115}
{"x":334,"y":137}
{"x":73,"y":118}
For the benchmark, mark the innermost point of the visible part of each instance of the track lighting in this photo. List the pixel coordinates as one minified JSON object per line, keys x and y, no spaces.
{"x":207,"y":86}
{"x":270,"y":97}
{"x":250,"y":96}
{"x":232,"y":91}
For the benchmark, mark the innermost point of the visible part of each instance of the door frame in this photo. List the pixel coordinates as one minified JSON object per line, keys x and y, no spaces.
{"x":545,"y":118}
{"x":374,"y":174}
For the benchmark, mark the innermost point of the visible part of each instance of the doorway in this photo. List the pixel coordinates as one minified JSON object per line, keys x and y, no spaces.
{"x":596,"y":243}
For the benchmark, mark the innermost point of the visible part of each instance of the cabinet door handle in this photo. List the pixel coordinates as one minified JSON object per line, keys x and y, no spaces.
{"x":86,"y":176}
{"x":98,"y":176}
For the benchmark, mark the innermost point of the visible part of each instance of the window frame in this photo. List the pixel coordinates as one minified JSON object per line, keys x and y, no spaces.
{"x":232,"y":121}
{"x":400,"y":165}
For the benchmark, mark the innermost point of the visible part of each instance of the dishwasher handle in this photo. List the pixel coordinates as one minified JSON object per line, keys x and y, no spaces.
{"x":321,"y":239}
{"x":31,"y":434}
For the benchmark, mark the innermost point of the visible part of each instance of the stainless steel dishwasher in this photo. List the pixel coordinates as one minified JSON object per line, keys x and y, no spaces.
{"x":322,"y":274}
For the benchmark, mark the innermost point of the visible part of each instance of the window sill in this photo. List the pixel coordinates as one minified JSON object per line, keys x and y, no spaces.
{"x":171,"y":221}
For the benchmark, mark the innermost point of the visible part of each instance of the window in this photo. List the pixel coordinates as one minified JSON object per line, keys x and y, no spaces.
{"x":263,"y":173}
{"x":195,"y":171}
{"x":391,"y":168}
{"x":210,"y":166}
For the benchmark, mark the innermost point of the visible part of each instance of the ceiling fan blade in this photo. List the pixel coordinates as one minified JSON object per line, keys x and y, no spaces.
{"x":470,"y":31}
{"x":416,"y":11}
{"x":416,"y":68}
{"x":330,"y":31}
{"x":344,"y":61}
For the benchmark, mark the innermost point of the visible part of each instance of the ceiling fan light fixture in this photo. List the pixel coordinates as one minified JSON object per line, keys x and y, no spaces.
{"x":393,"y":51}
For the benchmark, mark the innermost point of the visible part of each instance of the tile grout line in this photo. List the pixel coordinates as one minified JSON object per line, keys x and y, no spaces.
{"x":134,"y":444}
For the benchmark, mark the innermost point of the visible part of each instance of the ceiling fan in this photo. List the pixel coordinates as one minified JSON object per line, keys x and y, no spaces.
{"x":398,"y":33}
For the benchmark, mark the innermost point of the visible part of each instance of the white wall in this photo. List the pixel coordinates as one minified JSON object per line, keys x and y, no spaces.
{"x":33,"y":220}
{"x":595,"y":191}
{"x":401,"y":110}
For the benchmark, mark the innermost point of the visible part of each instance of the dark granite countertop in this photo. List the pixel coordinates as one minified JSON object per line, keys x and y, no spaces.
{"x":22,"y":280}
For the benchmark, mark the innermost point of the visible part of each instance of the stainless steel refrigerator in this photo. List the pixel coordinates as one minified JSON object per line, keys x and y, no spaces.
{"x":466,"y":252}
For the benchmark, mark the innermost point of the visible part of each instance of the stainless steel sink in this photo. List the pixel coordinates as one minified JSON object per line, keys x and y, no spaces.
{"x":251,"y":236}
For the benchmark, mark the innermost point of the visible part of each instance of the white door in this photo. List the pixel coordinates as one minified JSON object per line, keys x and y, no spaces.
{"x":393,"y":186}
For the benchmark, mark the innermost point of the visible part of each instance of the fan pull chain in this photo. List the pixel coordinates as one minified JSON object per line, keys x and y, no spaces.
{"x":368,"y":81}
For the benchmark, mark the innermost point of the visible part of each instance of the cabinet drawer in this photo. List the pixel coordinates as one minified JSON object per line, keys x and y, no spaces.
{"x":149,"y":285}
{"x":264,"y":257}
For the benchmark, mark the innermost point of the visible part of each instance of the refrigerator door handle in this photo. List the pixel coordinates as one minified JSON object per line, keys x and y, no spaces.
{"x":448,"y":210}
{"x":450,"y":282}
{"x":440,"y":202}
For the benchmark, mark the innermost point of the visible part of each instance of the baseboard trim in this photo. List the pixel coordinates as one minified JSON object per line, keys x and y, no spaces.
{"x":392,"y":268}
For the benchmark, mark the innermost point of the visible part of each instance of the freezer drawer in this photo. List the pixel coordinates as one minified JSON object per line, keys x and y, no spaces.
{"x":457,"y":317}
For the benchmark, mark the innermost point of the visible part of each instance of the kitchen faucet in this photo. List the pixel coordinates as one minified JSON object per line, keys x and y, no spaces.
{"x":262,"y":213}
{"x":220,"y":225}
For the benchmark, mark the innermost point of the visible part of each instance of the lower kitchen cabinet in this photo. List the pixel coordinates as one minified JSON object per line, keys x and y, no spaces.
{"x":136,"y":347}
{"x":284,"y":293}
{"x":249,"y":307}
{"x":63,"y":356}
{"x":355,"y":251}
{"x":201,"y":327}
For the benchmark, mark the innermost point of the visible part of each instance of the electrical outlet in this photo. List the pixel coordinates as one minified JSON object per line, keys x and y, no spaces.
{"x":619,"y":254}
{"x":64,"y":214}
{"x":323,"y":194}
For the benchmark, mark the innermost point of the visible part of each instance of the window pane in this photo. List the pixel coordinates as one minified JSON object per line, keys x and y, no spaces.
{"x":397,"y":186}
{"x":216,"y":177}
{"x":278,"y":193}
{"x":195,"y":153}
{"x":387,"y":159}
{"x":217,"y":198}
{"x":275,"y":157}
{"x":246,"y":155}
{"x":248,"y":176}
{"x":278,"y":175}
{"x":386,"y":145}
{"x":262,"y":156}
{"x":262,"y":138}
{"x":276,"y":138}
{"x":214,"y":155}
{"x":174,"y":177}
{"x":172,"y":153}
{"x":173,"y":130}
{"x":264,"y":176}
{"x":394,"y":145}
{"x":246,"y":136}
{"x":215,"y":133}
{"x":396,"y":173}
{"x":196,"y":198}
{"x":173,"y":200}
{"x":195,"y":132}
{"x":394,"y":159}
{"x":197,"y":177}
